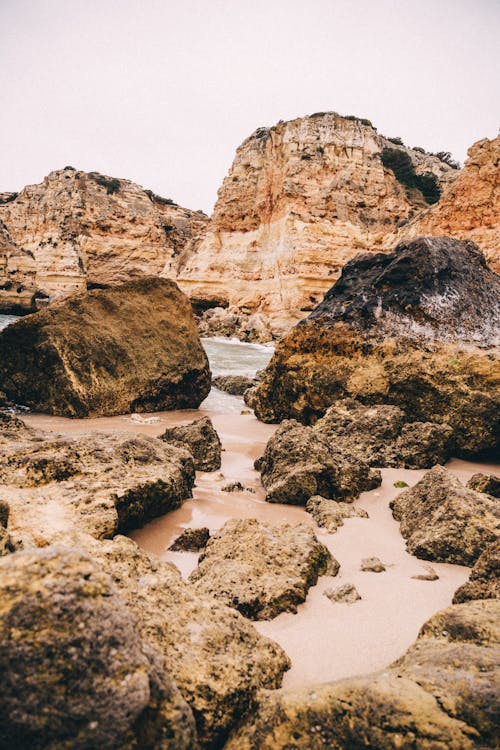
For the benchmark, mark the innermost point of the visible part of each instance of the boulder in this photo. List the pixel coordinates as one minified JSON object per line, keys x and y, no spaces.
{"x":347,"y":594}
{"x":444,"y":521}
{"x":487,"y":483}
{"x":261,"y":570}
{"x":416,"y":329}
{"x":131,"y":348}
{"x":235,"y":385}
{"x":100,"y":483}
{"x":330,"y":514}
{"x":201,"y":439}
{"x":298,"y":464}
{"x":484,"y":580}
{"x":191,"y":540}
{"x":216,"y":657}
{"x":75,"y":672}
{"x":440,"y":696}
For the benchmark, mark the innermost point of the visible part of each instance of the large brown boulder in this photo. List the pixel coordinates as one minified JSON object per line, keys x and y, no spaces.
{"x":134,"y":347}
{"x":444,"y":521}
{"x":75,"y":672}
{"x":299,"y":463}
{"x":262,"y":570}
{"x":484,"y":580}
{"x":415,"y":328}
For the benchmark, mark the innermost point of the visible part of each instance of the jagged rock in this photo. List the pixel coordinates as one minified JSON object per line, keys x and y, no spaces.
{"x":488,"y":483}
{"x":439,"y":696}
{"x":75,"y":672}
{"x":298,"y":464}
{"x":131,"y":348}
{"x":372,"y":565}
{"x":429,"y":575}
{"x":347,"y":593}
{"x":469,"y":207}
{"x":259,"y":569}
{"x":100,"y":483}
{"x":399,"y":329}
{"x":191,"y":540}
{"x":215,"y":656}
{"x":330,"y":514}
{"x":300,"y":199}
{"x":78,"y":228}
{"x":201,"y":439}
{"x":236,"y":487}
{"x":484,"y":580}
{"x":378,"y":435}
{"x":444,"y":521}
{"x":235,"y":385}
{"x":7,"y":544}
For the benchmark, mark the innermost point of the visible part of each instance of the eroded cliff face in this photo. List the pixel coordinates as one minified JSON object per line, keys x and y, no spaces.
{"x":470,"y":207}
{"x":301,"y":199}
{"x":76,"y":229}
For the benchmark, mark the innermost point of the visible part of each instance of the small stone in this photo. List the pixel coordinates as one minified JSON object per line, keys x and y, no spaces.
{"x":429,"y":575}
{"x":191,"y":540}
{"x":372,"y":565}
{"x":233,"y":487}
{"x":347,"y":593}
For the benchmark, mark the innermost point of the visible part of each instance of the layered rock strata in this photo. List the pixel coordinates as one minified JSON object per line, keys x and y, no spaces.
{"x":130,"y":348}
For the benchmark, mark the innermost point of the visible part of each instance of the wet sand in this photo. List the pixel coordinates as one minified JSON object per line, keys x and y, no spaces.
{"x":325,"y":640}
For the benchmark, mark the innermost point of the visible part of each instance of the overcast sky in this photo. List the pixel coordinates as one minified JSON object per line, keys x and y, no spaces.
{"x":162,"y":92}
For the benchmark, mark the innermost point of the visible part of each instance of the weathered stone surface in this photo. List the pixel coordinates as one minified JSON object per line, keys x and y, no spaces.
{"x":300,"y":199}
{"x":215,"y":656}
{"x":469,"y":207}
{"x":439,"y":696}
{"x":75,"y":672}
{"x":347,"y":594}
{"x":131,"y":348}
{"x":100,"y":483}
{"x":444,"y":521}
{"x":77,"y":228}
{"x":484,"y":580}
{"x":378,"y":435}
{"x":429,"y":574}
{"x":191,"y":540}
{"x":330,"y":514}
{"x":298,"y":464}
{"x":372,"y":565}
{"x":259,"y":569}
{"x":399,"y":329}
{"x":201,"y":439}
{"x":235,"y":385}
{"x":488,"y":483}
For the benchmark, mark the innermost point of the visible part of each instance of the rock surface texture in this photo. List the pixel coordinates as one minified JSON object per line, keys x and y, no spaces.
{"x":484,"y":581}
{"x":416,"y":328}
{"x":131,"y":348}
{"x":79,"y":229}
{"x":261,"y":570}
{"x":330,"y":514}
{"x":444,"y":521}
{"x":75,"y":673}
{"x":300,"y":199}
{"x":201,"y":439}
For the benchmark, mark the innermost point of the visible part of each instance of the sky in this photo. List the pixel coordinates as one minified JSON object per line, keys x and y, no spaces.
{"x":163,"y":92}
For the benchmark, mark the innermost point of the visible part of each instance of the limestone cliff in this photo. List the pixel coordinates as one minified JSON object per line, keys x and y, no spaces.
{"x":470,"y":207}
{"x":77,"y":229}
{"x":302,"y":198}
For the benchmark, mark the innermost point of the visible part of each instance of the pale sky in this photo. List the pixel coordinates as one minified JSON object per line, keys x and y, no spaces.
{"x":162,"y":92}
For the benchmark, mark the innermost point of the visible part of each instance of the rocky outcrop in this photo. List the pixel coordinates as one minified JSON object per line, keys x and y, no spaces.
{"x":444,"y":521}
{"x":201,"y":439}
{"x":259,"y":569}
{"x":378,"y":435}
{"x":75,"y":672}
{"x":469,"y":207}
{"x":484,"y":580}
{"x":298,"y":464}
{"x":99,"y":483}
{"x":215,"y":656}
{"x":17,"y":276}
{"x":439,"y":696}
{"x":235,"y":385}
{"x":330,"y":514}
{"x":400,"y":329}
{"x":79,"y":229}
{"x":300,"y":199}
{"x":131,"y":348}
{"x":191,"y":540}
{"x":488,"y":483}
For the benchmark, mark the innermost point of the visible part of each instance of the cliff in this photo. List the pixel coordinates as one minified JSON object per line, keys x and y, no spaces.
{"x":78,"y":229}
{"x":302,"y":198}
